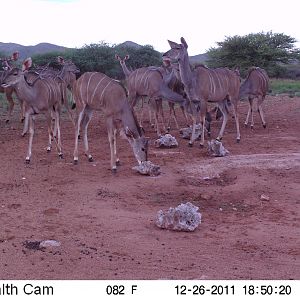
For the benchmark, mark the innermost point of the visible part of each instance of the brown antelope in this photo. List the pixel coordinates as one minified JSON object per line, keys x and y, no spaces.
{"x":149,"y":81}
{"x":96,"y":91}
{"x":66,"y":77}
{"x":43,"y":96}
{"x":204,"y":85}
{"x":8,"y":91}
{"x":154,"y":105}
{"x":256,"y":85}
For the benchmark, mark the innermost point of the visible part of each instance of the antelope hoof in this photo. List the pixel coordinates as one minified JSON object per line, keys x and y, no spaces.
{"x":90,"y":158}
{"x":48,"y":149}
{"x":168,"y":129}
{"x":75,"y":162}
{"x":152,"y":125}
{"x":6,"y":121}
{"x":264,"y":125}
{"x":246,"y":125}
{"x":60,"y":155}
{"x":252,"y":127}
{"x":114,"y":170}
{"x":27,"y":160}
{"x":190,"y":144}
{"x":201,"y":146}
{"x":238,"y":140}
{"x":118,"y":163}
{"x":209,"y":134}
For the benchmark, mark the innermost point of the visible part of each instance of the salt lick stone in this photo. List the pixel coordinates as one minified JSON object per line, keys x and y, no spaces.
{"x":187,"y":132}
{"x":166,"y":141}
{"x":184,"y":217}
{"x":216,"y":148}
{"x":148,"y":168}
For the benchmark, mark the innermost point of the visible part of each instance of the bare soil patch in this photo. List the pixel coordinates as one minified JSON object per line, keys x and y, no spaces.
{"x":105,"y":222}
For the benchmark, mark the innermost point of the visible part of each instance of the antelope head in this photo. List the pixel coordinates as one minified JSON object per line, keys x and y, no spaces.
{"x":14,"y":75}
{"x":122,"y":61}
{"x":139,"y":145}
{"x":5,"y":61}
{"x":178,"y":52}
{"x":68,"y":65}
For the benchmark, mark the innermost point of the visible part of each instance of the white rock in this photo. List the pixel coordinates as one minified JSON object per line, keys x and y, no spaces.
{"x":148,"y":168}
{"x":216,"y":148}
{"x":167,"y":141}
{"x":264,"y":197}
{"x":49,"y":243}
{"x":184,"y":217}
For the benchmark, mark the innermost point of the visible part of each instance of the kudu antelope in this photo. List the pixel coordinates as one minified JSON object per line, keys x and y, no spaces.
{"x":65,"y":77}
{"x":42,"y":96}
{"x":256,"y":85}
{"x":154,"y":105}
{"x":203,"y":85}
{"x":96,"y":91}
{"x":127,"y":73}
{"x":149,"y":82}
{"x":8,"y":91}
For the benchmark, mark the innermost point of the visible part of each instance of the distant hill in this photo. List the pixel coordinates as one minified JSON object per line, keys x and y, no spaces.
{"x":130,"y":44}
{"x":199,"y":59}
{"x":26,"y":51}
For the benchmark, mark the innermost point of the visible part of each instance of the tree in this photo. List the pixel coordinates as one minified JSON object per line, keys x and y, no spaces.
{"x":270,"y":51}
{"x":101,"y":58}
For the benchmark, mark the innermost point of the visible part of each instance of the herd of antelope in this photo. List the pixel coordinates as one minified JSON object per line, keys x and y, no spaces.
{"x":44,"y":90}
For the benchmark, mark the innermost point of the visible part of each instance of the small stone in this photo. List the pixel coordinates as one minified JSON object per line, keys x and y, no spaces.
{"x":148,"y":168}
{"x":166,"y":141}
{"x":216,"y":148}
{"x":49,"y":243}
{"x":187,"y":132}
{"x":264,"y":197}
{"x":184,"y":217}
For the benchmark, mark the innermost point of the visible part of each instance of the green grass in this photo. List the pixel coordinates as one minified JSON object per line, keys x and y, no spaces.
{"x":285,"y":86}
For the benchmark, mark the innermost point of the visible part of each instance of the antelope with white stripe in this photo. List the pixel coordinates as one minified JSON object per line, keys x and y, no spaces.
{"x":95,"y":91}
{"x":150,"y":81}
{"x":8,"y":91}
{"x":256,"y":85}
{"x":43,"y":96}
{"x":203,"y":85}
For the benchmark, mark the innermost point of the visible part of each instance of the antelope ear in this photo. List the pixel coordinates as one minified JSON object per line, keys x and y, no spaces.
{"x":173,"y":44}
{"x":184,"y":43}
{"x":126,"y":57}
{"x":27,"y":63}
{"x":117,"y":57}
{"x":15,"y":55}
{"x":60,"y":60}
{"x":129,"y":133}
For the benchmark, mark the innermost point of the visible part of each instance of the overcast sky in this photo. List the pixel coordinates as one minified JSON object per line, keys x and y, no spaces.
{"x":74,"y":23}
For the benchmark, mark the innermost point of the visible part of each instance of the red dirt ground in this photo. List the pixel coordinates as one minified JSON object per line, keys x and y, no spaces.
{"x":106,"y":223}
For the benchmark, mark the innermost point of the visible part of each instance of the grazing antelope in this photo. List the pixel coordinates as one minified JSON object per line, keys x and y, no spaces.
{"x":256,"y":85}
{"x":204,"y":85}
{"x":96,"y":91}
{"x":43,"y":96}
{"x":8,"y":91}
{"x":149,"y":81}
